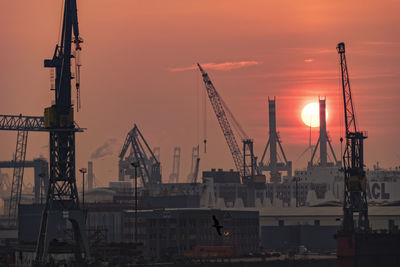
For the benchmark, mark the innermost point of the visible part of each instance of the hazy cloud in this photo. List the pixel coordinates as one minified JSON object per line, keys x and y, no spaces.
{"x":308,"y":60}
{"x":105,"y":149}
{"x":313,"y":51}
{"x":383,"y":43}
{"x":218,"y":66}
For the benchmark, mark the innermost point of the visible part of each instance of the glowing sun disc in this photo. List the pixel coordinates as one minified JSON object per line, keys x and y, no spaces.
{"x":310,"y":115}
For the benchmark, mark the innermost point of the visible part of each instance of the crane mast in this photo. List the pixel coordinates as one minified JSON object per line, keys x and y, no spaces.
{"x":355,"y":181}
{"x":221,"y":111}
{"x":62,"y":201}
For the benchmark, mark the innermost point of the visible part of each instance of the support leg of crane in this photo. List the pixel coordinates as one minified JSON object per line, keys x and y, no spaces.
{"x":77,"y":219}
{"x":54,"y":227}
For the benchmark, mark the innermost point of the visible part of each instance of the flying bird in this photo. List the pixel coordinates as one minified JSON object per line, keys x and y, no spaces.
{"x":216,"y":225}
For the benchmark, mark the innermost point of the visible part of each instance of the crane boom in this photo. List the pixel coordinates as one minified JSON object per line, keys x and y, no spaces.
{"x":355,"y":196}
{"x":149,"y":166}
{"x":218,"y":107}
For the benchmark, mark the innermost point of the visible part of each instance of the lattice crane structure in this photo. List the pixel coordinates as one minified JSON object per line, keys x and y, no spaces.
{"x":194,"y":166}
{"x":244,"y":162}
{"x":62,"y":201}
{"x":149,"y":169}
{"x":355,"y":181}
{"x":23,"y":125}
{"x":176,"y":165}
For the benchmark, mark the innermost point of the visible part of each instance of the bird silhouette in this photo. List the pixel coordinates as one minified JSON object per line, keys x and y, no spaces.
{"x":217,"y":226}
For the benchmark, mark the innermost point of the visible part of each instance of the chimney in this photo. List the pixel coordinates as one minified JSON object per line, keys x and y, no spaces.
{"x":90,"y":175}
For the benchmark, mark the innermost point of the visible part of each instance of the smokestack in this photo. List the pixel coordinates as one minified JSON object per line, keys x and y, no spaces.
{"x":90,"y":175}
{"x":323,"y":137}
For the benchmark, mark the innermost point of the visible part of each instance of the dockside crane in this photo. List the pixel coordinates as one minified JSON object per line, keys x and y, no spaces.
{"x":176,"y":165}
{"x":149,"y":169}
{"x":244,"y":162}
{"x":62,"y":201}
{"x":23,"y":125}
{"x":194,"y":167}
{"x":355,"y":181}
{"x":274,"y":166}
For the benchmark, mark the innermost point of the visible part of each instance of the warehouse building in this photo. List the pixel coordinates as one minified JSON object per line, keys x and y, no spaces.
{"x":175,"y":232}
{"x":315,"y":227}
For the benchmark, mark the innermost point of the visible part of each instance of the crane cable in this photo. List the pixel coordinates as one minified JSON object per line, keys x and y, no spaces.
{"x":205,"y":120}
{"x":340,"y":108}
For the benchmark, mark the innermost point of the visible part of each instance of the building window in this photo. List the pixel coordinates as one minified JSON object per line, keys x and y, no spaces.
{"x":316,"y":222}
{"x":281,"y":223}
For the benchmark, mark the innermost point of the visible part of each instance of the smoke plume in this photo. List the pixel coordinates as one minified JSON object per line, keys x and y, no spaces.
{"x":105,"y":149}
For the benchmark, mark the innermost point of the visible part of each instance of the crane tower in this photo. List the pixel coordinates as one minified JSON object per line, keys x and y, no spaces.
{"x":323,"y":139}
{"x":244,"y":162}
{"x":355,"y":181}
{"x":176,"y":165}
{"x":62,"y":202}
{"x":273,"y":166}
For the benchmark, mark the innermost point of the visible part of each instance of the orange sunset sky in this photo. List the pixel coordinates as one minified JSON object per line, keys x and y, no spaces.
{"x":137,"y":58}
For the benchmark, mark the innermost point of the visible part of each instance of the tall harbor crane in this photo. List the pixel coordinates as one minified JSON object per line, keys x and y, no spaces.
{"x":176,"y":165}
{"x":149,"y":166}
{"x":194,"y":166}
{"x":62,"y":201}
{"x":41,"y":174}
{"x":323,"y":139}
{"x":355,"y":181}
{"x":21,"y":125}
{"x":18,"y":174}
{"x":241,"y":160}
{"x":274,"y":166}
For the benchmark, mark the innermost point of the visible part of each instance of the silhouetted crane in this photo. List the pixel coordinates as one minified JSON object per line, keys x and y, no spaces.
{"x":355,"y":181}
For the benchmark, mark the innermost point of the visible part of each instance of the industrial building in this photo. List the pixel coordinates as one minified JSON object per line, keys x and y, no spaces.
{"x":174,"y":232}
{"x":315,"y":227}
{"x":162,"y":232}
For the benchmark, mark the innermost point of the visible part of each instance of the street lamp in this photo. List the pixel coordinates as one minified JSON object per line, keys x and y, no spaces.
{"x":135,"y":165}
{"x":83,"y":171}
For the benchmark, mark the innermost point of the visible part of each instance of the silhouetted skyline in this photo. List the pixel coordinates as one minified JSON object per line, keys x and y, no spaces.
{"x":137,"y":59}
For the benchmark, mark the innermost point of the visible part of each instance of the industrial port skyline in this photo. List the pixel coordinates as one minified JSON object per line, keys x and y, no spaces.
{"x":262,"y":83}
{"x":137,"y":69}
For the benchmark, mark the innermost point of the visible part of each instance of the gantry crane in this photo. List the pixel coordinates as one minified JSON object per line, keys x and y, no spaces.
{"x":21,"y":124}
{"x":18,"y":174}
{"x":194,"y":166}
{"x":148,"y":165}
{"x":41,"y":174}
{"x":274,"y":166}
{"x":176,"y":165}
{"x":355,"y":181}
{"x":244,"y":162}
{"x":62,"y":202}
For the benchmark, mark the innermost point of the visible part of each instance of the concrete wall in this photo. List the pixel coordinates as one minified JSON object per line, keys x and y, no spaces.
{"x":287,"y":237}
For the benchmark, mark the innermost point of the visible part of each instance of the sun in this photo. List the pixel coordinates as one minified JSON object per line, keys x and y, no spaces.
{"x":310,"y":115}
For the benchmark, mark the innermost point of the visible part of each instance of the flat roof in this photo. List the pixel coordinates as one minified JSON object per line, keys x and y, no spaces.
{"x":235,"y":213}
{"x":289,"y":211}
{"x":326,"y":211}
